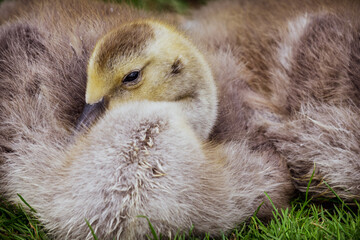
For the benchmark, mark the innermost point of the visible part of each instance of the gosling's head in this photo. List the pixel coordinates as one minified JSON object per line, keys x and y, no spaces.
{"x":148,"y":60}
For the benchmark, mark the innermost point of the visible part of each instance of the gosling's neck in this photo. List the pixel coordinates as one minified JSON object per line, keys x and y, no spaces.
{"x":201,"y":110}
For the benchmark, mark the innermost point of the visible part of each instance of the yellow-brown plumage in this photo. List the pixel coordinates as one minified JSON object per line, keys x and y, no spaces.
{"x":168,"y":66}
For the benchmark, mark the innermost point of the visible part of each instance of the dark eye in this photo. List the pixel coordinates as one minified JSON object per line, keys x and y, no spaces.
{"x":131,"y":77}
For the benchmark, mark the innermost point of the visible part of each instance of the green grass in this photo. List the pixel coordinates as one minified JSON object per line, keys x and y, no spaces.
{"x":180,"y":6}
{"x":334,"y":219}
{"x":305,"y":220}
{"x":160,"y":5}
{"x":16,"y":223}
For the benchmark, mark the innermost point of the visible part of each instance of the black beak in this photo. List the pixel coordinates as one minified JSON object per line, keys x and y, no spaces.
{"x":90,"y":114}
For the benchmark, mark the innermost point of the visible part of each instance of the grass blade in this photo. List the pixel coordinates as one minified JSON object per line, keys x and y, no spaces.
{"x":91,"y":229}
{"x":155,"y":237}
